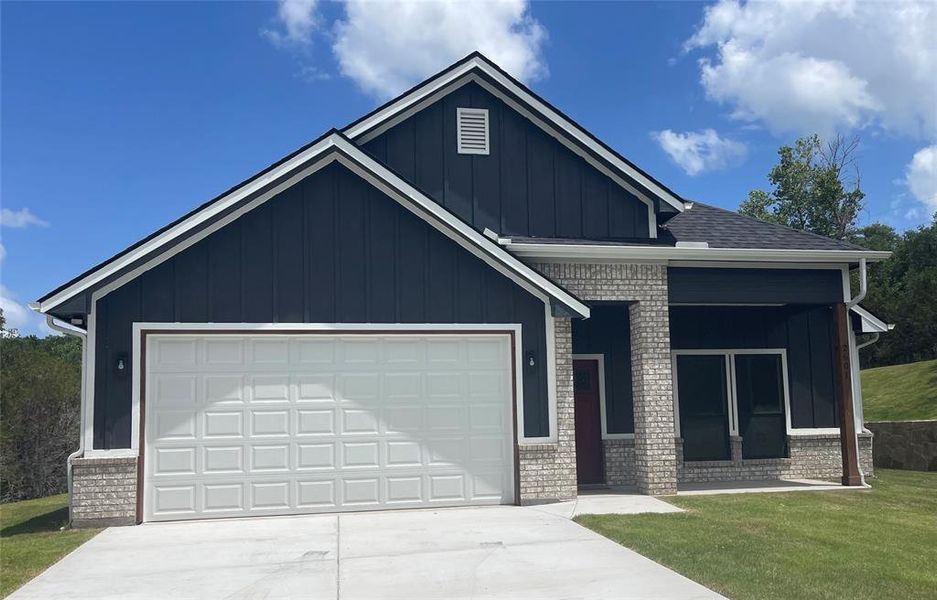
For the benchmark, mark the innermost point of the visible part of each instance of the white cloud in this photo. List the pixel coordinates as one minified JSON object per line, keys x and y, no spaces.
{"x":20,"y":317}
{"x":699,"y":151}
{"x":297,"y":21}
{"x":18,"y":219}
{"x":386,"y":47}
{"x":921,"y":176}
{"x":3,"y":252}
{"x":823,"y":65}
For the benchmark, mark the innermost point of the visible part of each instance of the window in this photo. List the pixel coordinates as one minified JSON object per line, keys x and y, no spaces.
{"x":719,"y":393}
{"x":704,"y":426}
{"x":472,"y":130}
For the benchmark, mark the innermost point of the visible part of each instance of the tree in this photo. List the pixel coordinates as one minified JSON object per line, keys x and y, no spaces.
{"x":816,"y":188}
{"x":40,"y":388}
{"x":903,"y":290}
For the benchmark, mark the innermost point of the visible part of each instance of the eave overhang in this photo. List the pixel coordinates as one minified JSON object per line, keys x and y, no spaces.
{"x":618,"y":253}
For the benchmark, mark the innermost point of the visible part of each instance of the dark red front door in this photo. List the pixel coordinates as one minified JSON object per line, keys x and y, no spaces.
{"x":588,"y":422}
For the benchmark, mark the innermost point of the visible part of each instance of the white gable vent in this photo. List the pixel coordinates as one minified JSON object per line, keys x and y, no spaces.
{"x":472,"y":130}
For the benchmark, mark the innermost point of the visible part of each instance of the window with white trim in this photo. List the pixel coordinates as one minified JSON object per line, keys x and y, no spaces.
{"x":723,"y":393}
{"x":472,"y":130}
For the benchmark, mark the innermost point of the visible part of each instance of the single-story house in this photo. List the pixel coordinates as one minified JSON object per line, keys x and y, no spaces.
{"x":461,"y":298}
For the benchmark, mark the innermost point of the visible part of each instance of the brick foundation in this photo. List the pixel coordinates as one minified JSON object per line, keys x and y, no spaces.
{"x":811,"y":457}
{"x":104,"y":492}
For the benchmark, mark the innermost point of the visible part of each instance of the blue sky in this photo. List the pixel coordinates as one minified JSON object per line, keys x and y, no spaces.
{"x":119,"y":117}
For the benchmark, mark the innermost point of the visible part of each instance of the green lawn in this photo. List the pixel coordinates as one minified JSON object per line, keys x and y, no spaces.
{"x":842,"y":544}
{"x":900,"y":392}
{"x":31,"y":539}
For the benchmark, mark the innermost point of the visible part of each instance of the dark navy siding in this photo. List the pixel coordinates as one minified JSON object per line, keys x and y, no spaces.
{"x":784,"y":286}
{"x":529,"y":185}
{"x":805,"y":331}
{"x":608,"y":332}
{"x":329,"y":249}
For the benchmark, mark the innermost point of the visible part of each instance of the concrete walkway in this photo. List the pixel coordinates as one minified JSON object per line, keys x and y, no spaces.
{"x":497,"y":552}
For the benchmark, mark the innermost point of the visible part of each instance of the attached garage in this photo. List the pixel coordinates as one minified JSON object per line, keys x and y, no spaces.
{"x":324,"y":338}
{"x":287,"y":422}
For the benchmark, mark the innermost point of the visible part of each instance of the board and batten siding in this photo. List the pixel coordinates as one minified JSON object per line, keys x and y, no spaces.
{"x":607,"y":332}
{"x":755,"y":286}
{"x":805,"y":331}
{"x":330,"y":249}
{"x":528,"y":185}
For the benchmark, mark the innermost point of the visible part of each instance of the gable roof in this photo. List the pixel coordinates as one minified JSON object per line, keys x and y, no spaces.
{"x":476,"y":67}
{"x":334,"y":146}
{"x":722,"y":228}
{"x":869,"y":323}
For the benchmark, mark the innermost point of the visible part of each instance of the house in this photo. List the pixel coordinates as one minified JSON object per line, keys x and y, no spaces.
{"x":461,"y":298}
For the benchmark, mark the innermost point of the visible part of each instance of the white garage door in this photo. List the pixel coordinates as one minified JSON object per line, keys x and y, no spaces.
{"x":245,"y":425}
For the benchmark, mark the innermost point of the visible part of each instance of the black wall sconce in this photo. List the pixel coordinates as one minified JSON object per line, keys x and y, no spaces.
{"x":529,"y":360}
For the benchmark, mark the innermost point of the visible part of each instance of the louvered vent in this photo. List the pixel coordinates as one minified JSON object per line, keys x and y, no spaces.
{"x":472,"y":125}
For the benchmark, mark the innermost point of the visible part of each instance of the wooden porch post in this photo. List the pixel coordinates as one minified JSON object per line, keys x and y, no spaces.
{"x":842,"y":373}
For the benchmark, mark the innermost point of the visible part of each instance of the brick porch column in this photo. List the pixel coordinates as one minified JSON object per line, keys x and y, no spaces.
{"x":654,"y":448}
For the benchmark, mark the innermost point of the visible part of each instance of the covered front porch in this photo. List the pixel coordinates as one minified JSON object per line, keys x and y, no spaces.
{"x":690,"y":376}
{"x":755,"y":396}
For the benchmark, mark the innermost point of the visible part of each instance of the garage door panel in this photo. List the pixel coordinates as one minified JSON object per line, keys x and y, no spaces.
{"x":224,"y":352}
{"x":402,"y":420}
{"x":224,"y":389}
{"x":223,"y":497}
{"x":222,"y":424}
{"x":269,"y":388}
{"x":177,"y":391}
{"x":223,"y":460}
{"x":317,"y":423}
{"x":315,"y":388}
{"x":315,"y":457}
{"x":175,"y":424}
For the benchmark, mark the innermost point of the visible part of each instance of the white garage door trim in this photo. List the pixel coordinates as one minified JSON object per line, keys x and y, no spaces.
{"x":509,"y":333}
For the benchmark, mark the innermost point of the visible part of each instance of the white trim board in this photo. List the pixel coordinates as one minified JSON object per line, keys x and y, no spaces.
{"x":390,"y":114}
{"x":609,"y":253}
{"x":308,"y":162}
{"x":600,"y":359}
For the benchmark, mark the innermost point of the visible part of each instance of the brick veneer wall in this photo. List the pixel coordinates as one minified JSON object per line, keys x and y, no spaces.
{"x":645,"y":286}
{"x":619,"y":462}
{"x":104,"y":492}
{"x":811,"y":457}
{"x":548,"y":471}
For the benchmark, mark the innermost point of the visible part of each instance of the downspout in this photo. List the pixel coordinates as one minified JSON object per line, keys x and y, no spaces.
{"x":863,"y":288}
{"x":868,"y":342}
{"x":50,"y":321}
{"x":863,"y":284}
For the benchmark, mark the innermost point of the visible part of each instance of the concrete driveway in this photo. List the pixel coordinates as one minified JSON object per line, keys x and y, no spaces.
{"x":497,"y":552}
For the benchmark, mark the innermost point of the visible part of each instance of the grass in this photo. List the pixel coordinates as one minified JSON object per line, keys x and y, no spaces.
{"x":31,"y":539}
{"x":900,"y":392}
{"x":808,"y":545}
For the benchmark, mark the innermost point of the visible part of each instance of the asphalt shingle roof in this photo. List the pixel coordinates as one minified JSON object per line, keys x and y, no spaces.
{"x":726,"y":229}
